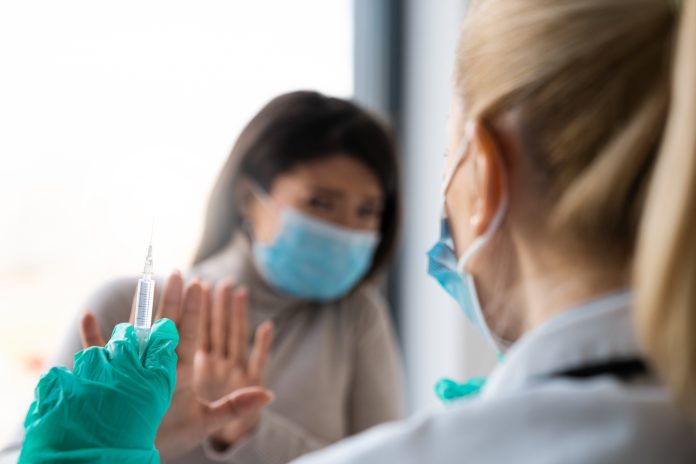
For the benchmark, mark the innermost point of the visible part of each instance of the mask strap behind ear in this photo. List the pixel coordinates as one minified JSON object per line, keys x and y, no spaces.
{"x":260,"y":193}
{"x":492,"y":227}
{"x":262,"y":196}
{"x":480,"y":241}
{"x":460,"y":155}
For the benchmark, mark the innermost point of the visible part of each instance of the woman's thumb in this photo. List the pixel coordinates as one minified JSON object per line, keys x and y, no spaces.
{"x":236,"y":405}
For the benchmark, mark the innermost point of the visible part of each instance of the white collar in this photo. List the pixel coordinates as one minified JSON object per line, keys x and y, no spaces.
{"x":597,"y":331}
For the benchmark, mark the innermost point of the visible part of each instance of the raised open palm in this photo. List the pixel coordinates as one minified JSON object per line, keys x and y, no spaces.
{"x":222,"y":362}
{"x":189,"y":419}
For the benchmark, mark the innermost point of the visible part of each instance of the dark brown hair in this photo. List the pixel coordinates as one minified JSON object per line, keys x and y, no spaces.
{"x":296,"y":128}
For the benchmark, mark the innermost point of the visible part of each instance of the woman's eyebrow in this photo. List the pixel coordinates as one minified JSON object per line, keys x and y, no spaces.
{"x":338,"y":193}
{"x":328,"y":191}
{"x":374,"y":199}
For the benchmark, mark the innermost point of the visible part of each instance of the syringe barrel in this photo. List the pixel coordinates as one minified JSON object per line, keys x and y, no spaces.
{"x":145,"y":295}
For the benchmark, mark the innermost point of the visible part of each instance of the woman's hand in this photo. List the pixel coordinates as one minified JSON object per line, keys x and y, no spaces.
{"x":222,"y":363}
{"x":190,"y":419}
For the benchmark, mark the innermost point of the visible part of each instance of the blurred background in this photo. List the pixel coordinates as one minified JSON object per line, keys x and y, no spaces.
{"x":114,"y":113}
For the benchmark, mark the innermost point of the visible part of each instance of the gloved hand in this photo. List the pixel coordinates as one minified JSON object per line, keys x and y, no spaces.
{"x":107,"y":410}
{"x":190,"y":419}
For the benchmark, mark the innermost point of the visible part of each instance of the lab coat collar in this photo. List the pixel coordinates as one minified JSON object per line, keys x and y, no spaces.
{"x":597,"y":331}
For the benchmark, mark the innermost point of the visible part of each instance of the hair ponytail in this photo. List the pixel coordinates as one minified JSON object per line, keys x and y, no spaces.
{"x":665,"y":265}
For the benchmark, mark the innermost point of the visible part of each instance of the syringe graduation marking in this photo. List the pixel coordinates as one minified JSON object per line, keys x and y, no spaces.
{"x":145,"y":301}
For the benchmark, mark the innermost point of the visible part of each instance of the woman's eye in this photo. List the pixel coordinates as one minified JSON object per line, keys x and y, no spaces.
{"x":323,"y":204}
{"x":369,"y":213}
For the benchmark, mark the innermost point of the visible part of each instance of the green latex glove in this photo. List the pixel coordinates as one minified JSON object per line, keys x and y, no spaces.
{"x":450,"y":391}
{"x":107,"y":410}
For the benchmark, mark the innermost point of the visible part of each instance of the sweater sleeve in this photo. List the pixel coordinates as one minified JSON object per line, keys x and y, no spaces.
{"x":276,"y":440}
{"x":375,"y":394}
{"x":111,"y":304}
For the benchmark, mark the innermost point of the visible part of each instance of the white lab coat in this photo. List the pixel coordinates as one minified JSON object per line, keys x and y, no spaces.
{"x":526,"y":413}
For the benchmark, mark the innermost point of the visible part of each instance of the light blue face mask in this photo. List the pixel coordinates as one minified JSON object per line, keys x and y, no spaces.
{"x":451,"y":272}
{"x":313,"y":259}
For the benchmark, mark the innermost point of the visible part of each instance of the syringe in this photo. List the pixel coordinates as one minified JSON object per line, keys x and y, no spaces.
{"x":145,"y":294}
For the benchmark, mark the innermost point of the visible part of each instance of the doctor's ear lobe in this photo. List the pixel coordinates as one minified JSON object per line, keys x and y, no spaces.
{"x":474,"y":220}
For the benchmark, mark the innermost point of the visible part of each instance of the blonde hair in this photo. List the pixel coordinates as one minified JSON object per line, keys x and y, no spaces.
{"x":606,"y":92}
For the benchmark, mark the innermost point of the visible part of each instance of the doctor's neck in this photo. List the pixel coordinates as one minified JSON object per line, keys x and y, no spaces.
{"x":554,"y":280}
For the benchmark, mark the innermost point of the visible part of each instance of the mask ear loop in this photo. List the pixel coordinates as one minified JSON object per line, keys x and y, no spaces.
{"x":500,"y":212}
{"x":498,"y":217}
{"x":261,"y":195}
{"x":499,"y":343}
{"x":461,"y":154}
{"x":479,"y":242}
{"x":449,"y":175}
{"x":484,"y":238}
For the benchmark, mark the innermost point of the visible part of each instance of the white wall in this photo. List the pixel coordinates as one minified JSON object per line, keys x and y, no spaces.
{"x":438,"y":342}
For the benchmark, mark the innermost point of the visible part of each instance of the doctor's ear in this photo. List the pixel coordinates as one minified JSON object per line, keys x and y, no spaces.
{"x":489,"y":173}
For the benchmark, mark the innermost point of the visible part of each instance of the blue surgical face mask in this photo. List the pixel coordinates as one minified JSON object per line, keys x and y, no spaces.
{"x":313,"y":259}
{"x":451,"y":272}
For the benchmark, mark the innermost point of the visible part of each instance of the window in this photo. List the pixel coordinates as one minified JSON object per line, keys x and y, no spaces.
{"x":114,"y":112}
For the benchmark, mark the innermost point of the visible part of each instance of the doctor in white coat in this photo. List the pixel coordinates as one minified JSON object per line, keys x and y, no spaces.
{"x":569,"y":238}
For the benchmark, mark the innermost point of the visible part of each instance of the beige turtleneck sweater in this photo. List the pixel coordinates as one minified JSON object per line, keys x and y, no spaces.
{"x":334,"y":367}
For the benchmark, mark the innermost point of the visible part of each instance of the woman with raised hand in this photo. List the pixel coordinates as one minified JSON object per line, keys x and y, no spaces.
{"x":300,"y":224}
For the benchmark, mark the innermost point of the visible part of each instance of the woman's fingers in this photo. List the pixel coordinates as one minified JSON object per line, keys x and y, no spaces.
{"x":89,"y":331}
{"x":263,"y":340}
{"x":189,"y":322}
{"x":204,"y":323}
{"x":236,"y":405}
{"x":238,"y":329}
{"x":218,"y":322}
{"x":171,"y":298}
